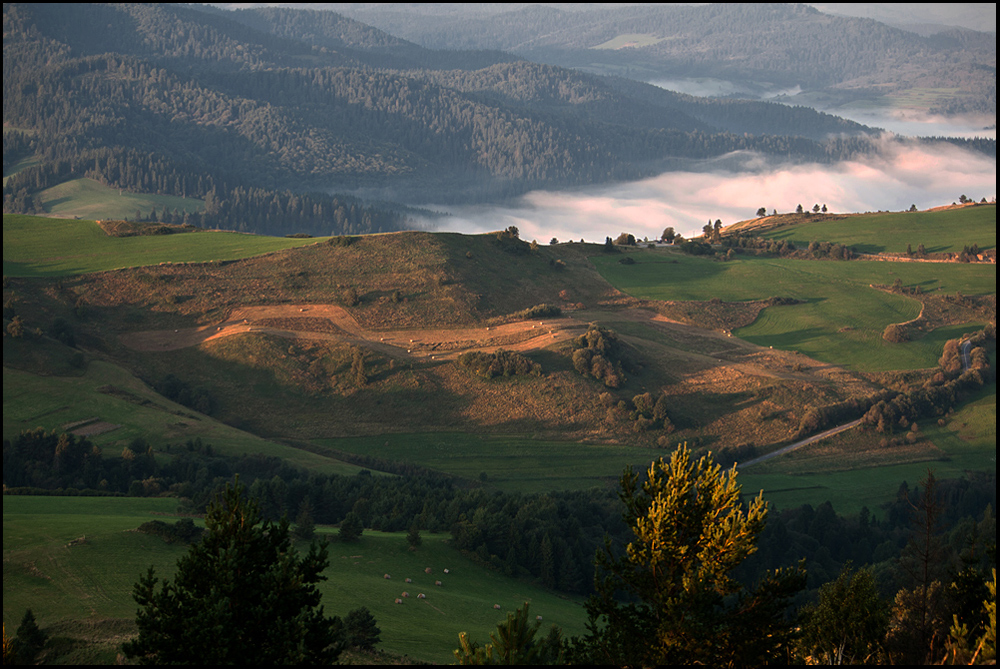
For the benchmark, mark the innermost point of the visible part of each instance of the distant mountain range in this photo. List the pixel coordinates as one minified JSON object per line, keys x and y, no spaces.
{"x":202,"y":102}
{"x":756,"y":44}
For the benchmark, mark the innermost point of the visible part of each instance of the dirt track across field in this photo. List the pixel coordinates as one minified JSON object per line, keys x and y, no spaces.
{"x":327,"y":321}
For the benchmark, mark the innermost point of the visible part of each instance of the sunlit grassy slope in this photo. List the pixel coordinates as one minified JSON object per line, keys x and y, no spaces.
{"x":86,"y":198}
{"x":37,"y":246}
{"x":840,"y":318}
{"x":943,"y":231}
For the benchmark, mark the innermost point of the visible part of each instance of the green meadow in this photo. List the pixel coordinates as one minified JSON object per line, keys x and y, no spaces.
{"x":511,"y":463}
{"x":34,"y":246}
{"x":840,"y":319}
{"x":945,"y":231}
{"x":629,"y":40}
{"x":77,"y":591}
{"x":911,"y":98}
{"x":32,"y":401}
{"x":86,"y":198}
{"x":966,"y":443}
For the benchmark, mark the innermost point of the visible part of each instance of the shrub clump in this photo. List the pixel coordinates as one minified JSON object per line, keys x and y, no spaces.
{"x":341,"y":240}
{"x":498,"y":363}
{"x":600,"y":354}
{"x":183,"y":531}
{"x":539,"y":311}
{"x":651,"y":413}
{"x":895,"y":333}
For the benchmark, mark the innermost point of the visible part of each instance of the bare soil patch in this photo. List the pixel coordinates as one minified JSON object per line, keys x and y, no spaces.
{"x":94,"y":429}
{"x":330,"y":321}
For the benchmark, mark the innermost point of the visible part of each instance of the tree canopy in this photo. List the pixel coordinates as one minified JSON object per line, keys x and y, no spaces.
{"x":690,"y":531}
{"x":241,"y":596}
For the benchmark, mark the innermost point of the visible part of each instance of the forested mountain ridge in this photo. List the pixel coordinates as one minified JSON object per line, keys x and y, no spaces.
{"x":196,"y":100}
{"x":774,"y":44}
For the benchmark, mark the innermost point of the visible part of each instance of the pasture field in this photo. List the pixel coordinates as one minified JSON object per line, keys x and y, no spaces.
{"x":80,"y":592}
{"x":629,"y":40}
{"x":511,"y":463}
{"x":913,"y":98}
{"x":86,"y":198}
{"x":943,"y":231}
{"x":852,"y":470}
{"x":107,"y":394}
{"x":35,"y":246}
{"x":84,"y":591}
{"x":840,"y":319}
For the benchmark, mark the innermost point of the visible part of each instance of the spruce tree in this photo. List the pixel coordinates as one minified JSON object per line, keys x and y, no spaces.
{"x":362,"y":629}
{"x":243,"y":595}
{"x":29,"y":640}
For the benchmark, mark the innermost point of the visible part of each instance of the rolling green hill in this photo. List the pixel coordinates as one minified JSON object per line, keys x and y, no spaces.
{"x":36,"y":246}
{"x":314,"y":365}
{"x":89,"y":199}
{"x":839,"y":317}
{"x":942,"y":231}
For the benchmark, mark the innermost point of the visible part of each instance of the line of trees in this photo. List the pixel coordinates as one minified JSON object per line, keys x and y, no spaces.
{"x":670,"y":591}
{"x":887,"y":410}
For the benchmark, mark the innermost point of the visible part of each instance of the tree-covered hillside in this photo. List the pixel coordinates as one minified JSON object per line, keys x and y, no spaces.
{"x":239,"y":107}
{"x":776,"y":44}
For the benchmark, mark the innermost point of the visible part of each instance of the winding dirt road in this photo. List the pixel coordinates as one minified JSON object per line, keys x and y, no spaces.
{"x":332,"y":322}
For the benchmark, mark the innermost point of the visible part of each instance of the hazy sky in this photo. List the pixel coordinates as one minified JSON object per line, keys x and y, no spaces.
{"x":926,"y":177}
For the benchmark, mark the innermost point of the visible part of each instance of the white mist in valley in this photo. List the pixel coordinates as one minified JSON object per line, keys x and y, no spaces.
{"x":898,"y":120}
{"x":902,"y":175}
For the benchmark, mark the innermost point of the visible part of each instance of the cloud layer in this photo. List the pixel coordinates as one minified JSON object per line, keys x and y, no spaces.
{"x":903,"y":175}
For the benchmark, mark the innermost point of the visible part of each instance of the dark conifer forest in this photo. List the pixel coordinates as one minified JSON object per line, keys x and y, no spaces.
{"x":268,"y":123}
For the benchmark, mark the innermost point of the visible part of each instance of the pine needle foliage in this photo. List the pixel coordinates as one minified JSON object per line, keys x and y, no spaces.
{"x":242,"y":595}
{"x":670,"y":598}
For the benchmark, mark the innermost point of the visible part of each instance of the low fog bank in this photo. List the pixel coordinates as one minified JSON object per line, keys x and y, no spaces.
{"x":732,"y":189}
{"x":911,"y":123}
{"x":904,"y":122}
{"x":707,"y":87}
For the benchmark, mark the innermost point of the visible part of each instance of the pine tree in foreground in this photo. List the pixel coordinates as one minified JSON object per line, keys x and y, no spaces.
{"x":240,"y":596}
